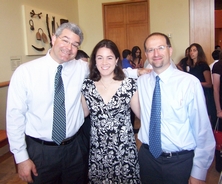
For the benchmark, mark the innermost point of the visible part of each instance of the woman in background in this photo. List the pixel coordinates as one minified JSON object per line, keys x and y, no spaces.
{"x":198,"y":66}
{"x":136,"y":58}
{"x":108,"y":95}
{"x":183,"y":62}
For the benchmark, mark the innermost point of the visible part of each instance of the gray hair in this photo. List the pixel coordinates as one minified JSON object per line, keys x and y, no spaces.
{"x":72,"y":27}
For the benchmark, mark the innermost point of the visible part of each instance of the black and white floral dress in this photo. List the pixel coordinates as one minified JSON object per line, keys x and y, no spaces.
{"x":113,"y":154}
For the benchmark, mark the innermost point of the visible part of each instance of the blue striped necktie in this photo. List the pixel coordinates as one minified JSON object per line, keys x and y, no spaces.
{"x":155,"y":120}
{"x":59,"y":113}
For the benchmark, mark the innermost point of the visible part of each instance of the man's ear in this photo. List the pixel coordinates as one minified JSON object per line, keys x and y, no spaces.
{"x":53,"y":39}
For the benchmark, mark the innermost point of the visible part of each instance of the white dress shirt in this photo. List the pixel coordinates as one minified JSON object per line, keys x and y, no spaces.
{"x":185,"y":123}
{"x":31,"y":96}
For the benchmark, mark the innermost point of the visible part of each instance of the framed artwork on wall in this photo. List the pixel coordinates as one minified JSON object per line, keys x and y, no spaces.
{"x":39,"y":26}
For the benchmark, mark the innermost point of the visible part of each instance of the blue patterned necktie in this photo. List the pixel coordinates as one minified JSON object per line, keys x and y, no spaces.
{"x":155,"y":119}
{"x":59,"y":113}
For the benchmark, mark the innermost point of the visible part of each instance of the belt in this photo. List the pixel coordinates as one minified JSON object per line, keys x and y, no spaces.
{"x":171,"y":154}
{"x":50,"y":143}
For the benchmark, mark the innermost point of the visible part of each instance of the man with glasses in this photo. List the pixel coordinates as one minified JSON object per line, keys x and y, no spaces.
{"x":43,"y":123}
{"x":177,"y":140}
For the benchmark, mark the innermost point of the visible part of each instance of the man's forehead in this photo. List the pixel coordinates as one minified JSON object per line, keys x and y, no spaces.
{"x":156,"y":40}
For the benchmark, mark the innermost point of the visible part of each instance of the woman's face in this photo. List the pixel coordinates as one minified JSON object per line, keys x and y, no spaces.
{"x":105,"y":61}
{"x":193,"y":53}
{"x":138,"y":53}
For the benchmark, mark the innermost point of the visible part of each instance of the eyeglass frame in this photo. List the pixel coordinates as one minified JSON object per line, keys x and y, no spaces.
{"x":161,"y":48}
{"x":67,"y":42}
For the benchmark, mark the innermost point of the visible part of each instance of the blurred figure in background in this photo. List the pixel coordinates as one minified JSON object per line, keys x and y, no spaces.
{"x":127,"y":57}
{"x":183,"y":62}
{"x":198,"y":66}
{"x":136,"y":57}
{"x":82,"y":55}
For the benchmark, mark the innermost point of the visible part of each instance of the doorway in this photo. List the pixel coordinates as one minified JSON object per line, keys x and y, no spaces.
{"x":126,"y":24}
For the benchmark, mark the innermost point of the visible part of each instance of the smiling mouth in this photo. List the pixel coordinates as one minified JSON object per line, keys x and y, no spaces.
{"x":65,"y":52}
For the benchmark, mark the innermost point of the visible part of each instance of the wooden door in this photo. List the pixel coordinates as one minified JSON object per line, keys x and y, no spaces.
{"x":126,"y":23}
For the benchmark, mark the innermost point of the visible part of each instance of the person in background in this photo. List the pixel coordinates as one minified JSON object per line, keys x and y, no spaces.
{"x":108,"y":95}
{"x":217,"y":75}
{"x":82,"y":55}
{"x":127,"y":57}
{"x":136,"y":58}
{"x":217,"y":47}
{"x":30,"y":112}
{"x":86,"y":125}
{"x":183,"y":62}
{"x":215,"y":56}
{"x":185,"y":145}
{"x":199,"y":67}
{"x":217,"y":86}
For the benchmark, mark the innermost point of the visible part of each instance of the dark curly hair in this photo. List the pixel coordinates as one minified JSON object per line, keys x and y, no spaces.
{"x":201,"y":57}
{"x":94,"y":72}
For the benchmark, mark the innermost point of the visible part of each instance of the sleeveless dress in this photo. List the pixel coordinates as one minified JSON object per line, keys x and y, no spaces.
{"x":113,"y":156}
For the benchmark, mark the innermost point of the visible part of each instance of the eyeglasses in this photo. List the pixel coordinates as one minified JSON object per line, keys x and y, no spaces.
{"x":67,"y":43}
{"x":161,"y":48}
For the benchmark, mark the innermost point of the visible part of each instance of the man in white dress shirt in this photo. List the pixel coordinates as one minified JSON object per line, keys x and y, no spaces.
{"x":187,"y":140}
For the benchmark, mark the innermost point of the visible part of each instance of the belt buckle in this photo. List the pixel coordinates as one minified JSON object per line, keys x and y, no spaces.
{"x":170,"y":155}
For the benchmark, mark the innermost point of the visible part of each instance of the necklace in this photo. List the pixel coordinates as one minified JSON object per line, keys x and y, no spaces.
{"x":106,"y":87}
{"x":103,"y":85}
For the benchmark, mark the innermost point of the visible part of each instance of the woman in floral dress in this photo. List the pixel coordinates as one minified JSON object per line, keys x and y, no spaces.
{"x":108,"y":96}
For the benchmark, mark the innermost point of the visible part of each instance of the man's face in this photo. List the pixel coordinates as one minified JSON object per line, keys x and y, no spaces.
{"x":158,"y":53}
{"x":65,"y":46}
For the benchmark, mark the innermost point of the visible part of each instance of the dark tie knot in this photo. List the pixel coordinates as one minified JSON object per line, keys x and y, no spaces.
{"x":157,"y":78}
{"x":59,"y":68}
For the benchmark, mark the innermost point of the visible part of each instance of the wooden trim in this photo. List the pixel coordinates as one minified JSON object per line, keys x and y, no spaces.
{"x":4,"y":84}
{"x":123,"y":2}
{"x":201,"y":26}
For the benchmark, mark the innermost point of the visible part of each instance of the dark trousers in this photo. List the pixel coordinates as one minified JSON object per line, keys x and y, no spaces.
{"x":65,"y":164}
{"x":164,"y":170}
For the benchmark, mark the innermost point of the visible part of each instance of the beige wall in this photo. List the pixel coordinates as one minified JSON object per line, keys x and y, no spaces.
{"x":171,"y":16}
{"x":11,"y":27}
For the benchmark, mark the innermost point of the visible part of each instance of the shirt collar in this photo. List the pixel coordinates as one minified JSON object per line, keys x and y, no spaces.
{"x":165,"y":76}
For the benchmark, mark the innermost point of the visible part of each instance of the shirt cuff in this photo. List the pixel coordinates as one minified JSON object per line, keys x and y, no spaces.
{"x":198,"y":173}
{"x":21,"y":156}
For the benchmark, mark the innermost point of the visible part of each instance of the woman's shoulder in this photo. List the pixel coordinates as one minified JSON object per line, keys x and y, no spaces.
{"x":203,"y":65}
{"x":88,"y":81}
{"x":130,"y":81}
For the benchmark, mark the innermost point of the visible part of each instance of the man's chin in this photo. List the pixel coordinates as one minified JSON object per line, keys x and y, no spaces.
{"x":67,"y":59}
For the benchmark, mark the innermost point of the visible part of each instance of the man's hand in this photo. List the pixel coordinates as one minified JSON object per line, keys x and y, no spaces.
{"x":24,"y":170}
{"x":195,"y":181}
{"x":142,"y":71}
